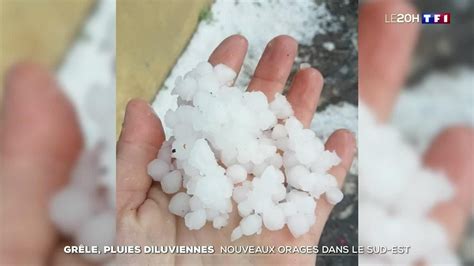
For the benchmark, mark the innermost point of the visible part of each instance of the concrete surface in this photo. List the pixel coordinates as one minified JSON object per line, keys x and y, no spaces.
{"x":150,"y":37}
{"x":38,"y":30}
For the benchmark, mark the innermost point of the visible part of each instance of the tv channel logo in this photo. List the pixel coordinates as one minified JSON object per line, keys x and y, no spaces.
{"x":436,"y":18}
{"x":424,"y":18}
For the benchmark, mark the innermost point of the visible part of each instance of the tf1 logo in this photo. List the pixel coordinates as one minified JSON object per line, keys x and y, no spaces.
{"x":425,"y":18}
{"x":441,"y":18}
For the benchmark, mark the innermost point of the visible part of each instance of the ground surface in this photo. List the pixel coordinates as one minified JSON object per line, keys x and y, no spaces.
{"x":40,"y":31}
{"x":339,"y":67}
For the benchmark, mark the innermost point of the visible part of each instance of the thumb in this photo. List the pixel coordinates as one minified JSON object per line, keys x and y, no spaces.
{"x":39,"y":142}
{"x":453,"y":153}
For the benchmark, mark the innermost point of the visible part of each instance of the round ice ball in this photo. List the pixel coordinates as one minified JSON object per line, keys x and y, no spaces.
{"x":157,"y":169}
{"x":224,"y":74}
{"x":279,"y":131}
{"x":251,"y":224}
{"x":334,"y":195}
{"x":171,"y":182}
{"x":179,"y":204}
{"x":298,"y":225}
{"x":195,"y":203}
{"x":274,"y":218}
{"x":236,"y":233}
{"x":220,"y":221}
{"x":236,"y":173}
{"x":195,"y":220}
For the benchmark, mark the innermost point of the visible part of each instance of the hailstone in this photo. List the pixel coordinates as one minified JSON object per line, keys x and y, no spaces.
{"x":231,"y":147}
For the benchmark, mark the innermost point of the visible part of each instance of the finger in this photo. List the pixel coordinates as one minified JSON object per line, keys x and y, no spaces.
{"x":230,"y":52}
{"x":452,"y":152}
{"x":40,"y":141}
{"x":384,"y":54}
{"x":304,"y":94}
{"x":274,"y":67}
{"x":343,"y":143}
{"x":140,"y":140}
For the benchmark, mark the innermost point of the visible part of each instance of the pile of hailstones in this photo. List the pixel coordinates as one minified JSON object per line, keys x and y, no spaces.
{"x":84,"y":209}
{"x":396,"y":195}
{"x":227,"y":145}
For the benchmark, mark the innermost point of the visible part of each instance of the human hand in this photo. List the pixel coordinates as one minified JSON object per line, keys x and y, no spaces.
{"x":384,"y":56}
{"x":40,"y":141}
{"x":142,"y":207}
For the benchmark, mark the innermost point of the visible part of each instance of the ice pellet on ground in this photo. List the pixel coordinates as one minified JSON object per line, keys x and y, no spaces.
{"x":229,"y":145}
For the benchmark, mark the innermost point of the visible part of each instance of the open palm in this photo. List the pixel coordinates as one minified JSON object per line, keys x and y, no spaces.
{"x":143,"y":216}
{"x":451,"y":151}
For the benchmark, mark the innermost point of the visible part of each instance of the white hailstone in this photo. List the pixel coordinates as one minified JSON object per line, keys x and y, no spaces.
{"x":279,"y":131}
{"x":298,"y":225}
{"x":304,"y":65}
{"x":231,"y":145}
{"x":179,"y":204}
{"x":297,"y":176}
{"x":251,"y":224}
{"x":172,"y":182}
{"x":236,"y":234}
{"x":157,"y":169}
{"x":164,"y":153}
{"x":236,"y":173}
{"x":259,"y":168}
{"x":244,"y":208}
{"x":70,"y":208}
{"x":211,"y":189}
{"x":278,"y":193}
{"x":276,"y":160}
{"x":334,"y":195}
{"x":325,"y":163}
{"x":240,"y":193}
{"x":321,"y":183}
{"x":201,"y":157}
{"x":304,"y":203}
{"x":225,"y":75}
{"x":195,"y":203}
{"x":185,"y":88}
{"x":274,"y":218}
{"x":195,"y":220}
{"x":211,"y":214}
{"x":220,"y":221}
{"x":289,"y":208}
{"x":282,"y":143}
{"x":281,"y":107}
{"x":289,"y":159}
{"x":396,"y":195}
{"x":203,"y":69}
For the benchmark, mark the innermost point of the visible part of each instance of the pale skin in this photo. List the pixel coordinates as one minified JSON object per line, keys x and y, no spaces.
{"x":40,"y":141}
